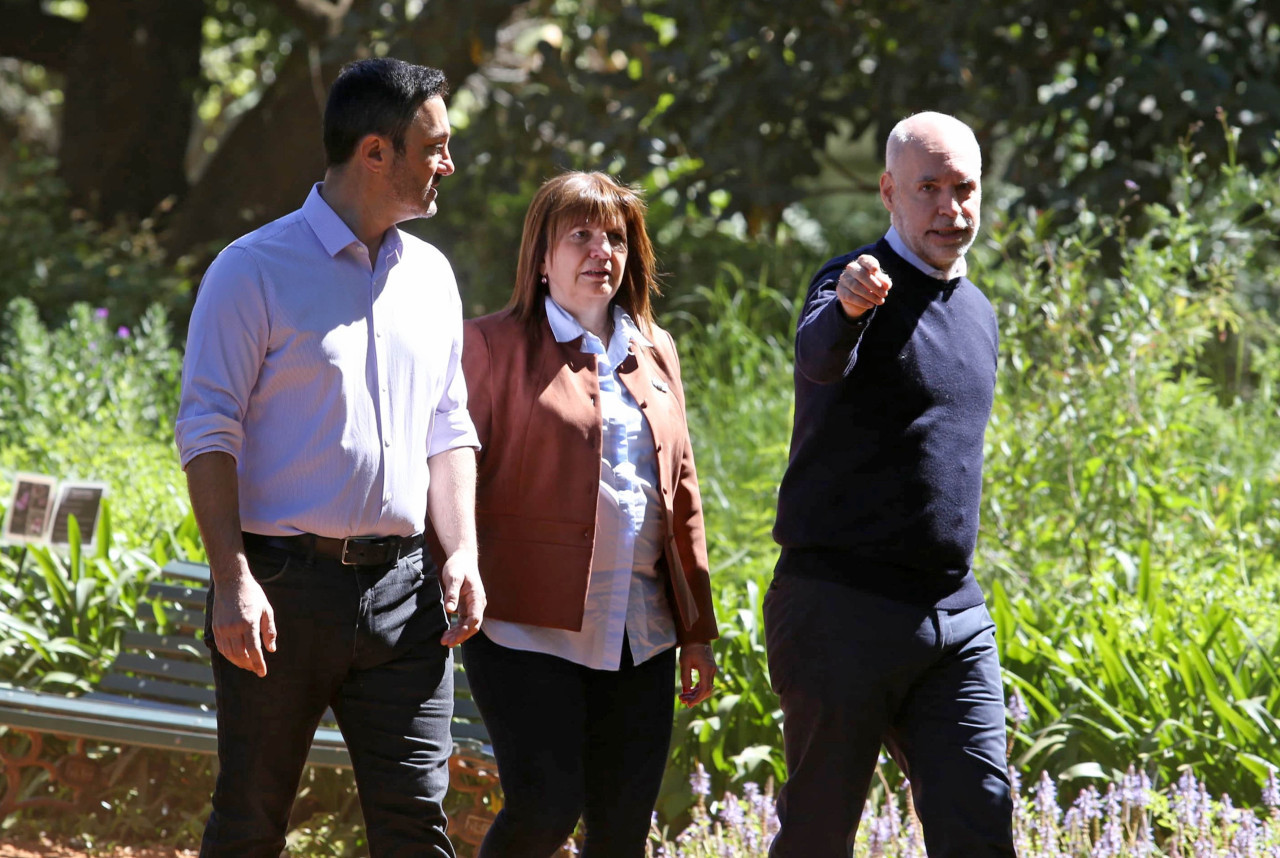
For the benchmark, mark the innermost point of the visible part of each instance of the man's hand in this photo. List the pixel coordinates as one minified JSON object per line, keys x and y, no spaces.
{"x":463,"y":594}
{"x":243,"y":623}
{"x":696,"y":658}
{"x":862,"y":286}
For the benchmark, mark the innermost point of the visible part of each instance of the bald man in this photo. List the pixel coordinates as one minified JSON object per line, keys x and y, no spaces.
{"x":877,"y":631}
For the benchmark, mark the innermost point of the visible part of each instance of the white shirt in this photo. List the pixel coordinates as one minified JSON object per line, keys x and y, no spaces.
{"x":959,"y":269}
{"x":329,"y":377}
{"x":624,"y":591}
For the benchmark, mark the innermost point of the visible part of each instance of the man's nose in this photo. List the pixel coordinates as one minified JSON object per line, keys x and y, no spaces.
{"x":446,"y":164}
{"x":949,"y":205}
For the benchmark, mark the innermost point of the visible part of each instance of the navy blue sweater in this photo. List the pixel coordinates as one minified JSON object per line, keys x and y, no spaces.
{"x":884,"y":483}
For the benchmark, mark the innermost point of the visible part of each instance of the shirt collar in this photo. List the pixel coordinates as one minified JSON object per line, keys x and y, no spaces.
{"x":333,"y":232}
{"x":960,"y":269}
{"x":565,"y":328}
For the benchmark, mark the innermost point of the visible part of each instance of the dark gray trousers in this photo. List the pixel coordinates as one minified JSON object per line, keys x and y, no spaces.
{"x":572,"y":742}
{"x":365,"y":641}
{"x":855,"y":671}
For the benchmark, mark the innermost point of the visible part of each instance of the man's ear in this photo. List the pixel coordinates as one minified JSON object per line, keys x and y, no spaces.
{"x":886,"y":190}
{"x":374,"y":152}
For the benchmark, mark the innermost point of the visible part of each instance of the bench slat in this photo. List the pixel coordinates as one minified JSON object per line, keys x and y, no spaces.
{"x":186,"y":671}
{"x":157,"y":689}
{"x":463,"y":730}
{"x":167,"y":644}
{"x":187,"y":570}
{"x":463,"y":708}
{"x":180,"y":618}
{"x":191,"y":597}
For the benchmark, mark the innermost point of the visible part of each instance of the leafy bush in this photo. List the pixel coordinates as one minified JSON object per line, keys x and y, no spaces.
{"x":1131,"y":514}
{"x":95,"y":400}
{"x":64,"y":616}
{"x":55,"y":256}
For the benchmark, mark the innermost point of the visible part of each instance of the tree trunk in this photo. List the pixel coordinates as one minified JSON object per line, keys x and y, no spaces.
{"x":265,"y":166}
{"x":131,"y":74}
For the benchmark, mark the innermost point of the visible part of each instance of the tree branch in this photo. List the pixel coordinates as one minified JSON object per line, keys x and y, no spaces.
{"x":32,"y":35}
{"x":318,"y":19}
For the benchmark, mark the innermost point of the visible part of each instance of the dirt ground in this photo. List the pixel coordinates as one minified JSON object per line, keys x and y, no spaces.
{"x":44,"y":848}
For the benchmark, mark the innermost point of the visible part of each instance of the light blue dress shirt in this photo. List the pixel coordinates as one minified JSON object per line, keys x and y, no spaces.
{"x":329,"y":376}
{"x":624,"y":591}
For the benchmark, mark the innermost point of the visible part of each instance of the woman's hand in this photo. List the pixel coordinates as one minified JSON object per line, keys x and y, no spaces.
{"x":696,"y":657}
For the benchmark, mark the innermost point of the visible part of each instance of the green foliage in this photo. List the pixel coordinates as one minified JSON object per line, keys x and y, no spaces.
{"x":55,"y":256}
{"x":735,"y":361}
{"x":1131,"y":511}
{"x":64,"y":615}
{"x":734,"y":104}
{"x":94,"y":400}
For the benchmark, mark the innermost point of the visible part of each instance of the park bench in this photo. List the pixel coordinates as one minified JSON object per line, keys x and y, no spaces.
{"x":158,"y":693}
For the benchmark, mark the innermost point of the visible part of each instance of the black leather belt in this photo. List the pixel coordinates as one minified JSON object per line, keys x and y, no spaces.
{"x":352,"y":551}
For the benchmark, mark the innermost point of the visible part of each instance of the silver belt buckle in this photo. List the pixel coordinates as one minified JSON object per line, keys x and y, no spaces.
{"x":346,"y":546}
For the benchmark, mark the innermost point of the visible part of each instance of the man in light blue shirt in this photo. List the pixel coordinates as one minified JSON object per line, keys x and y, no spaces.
{"x":323,"y":418}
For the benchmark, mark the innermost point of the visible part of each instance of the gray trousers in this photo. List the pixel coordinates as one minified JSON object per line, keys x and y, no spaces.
{"x":856,"y":671}
{"x":364,"y":640}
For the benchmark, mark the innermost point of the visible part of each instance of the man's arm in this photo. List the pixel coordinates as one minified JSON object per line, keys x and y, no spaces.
{"x":243,"y":622}
{"x":226,"y":346}
{"x":840,"y":305}
{"x":451,"y":503}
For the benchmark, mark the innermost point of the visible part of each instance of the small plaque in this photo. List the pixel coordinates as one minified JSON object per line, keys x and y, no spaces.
{"x":30,"y":510}
{"x":84,"y":501}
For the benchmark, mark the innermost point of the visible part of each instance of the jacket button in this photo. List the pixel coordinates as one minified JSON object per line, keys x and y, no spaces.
{"x":586,"y":534}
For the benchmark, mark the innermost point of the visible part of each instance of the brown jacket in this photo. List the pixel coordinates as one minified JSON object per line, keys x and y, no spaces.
{"x":536,"y":406}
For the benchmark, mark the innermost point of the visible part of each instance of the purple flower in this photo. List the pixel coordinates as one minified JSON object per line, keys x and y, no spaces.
{"x":100,"y":313}
{"x":1131,"y":186}
{"x":732,"y":814}
{"x":122,"y":332}
{"x":1046,"y":795}
{"x":1017,"y":709}
{"x":1186,"y":801}
{"x":1271,"y":792}
{"x":1135,"y":788}
{"x":1089,"y":803}
{"x":700,"y":782}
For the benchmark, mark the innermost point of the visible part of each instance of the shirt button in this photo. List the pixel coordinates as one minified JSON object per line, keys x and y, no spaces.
{"x":386,"y":443}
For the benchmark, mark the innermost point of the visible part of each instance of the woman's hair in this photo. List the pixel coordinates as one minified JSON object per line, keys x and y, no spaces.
{"x":585,"y":198}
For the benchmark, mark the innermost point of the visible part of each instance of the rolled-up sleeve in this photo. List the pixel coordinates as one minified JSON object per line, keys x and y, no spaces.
{"x":226,"y":345}
{"x":452,"y":426}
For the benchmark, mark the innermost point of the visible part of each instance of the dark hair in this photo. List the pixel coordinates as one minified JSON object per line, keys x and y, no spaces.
{"x":376,"y":96}
{"x":593,"y":198}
